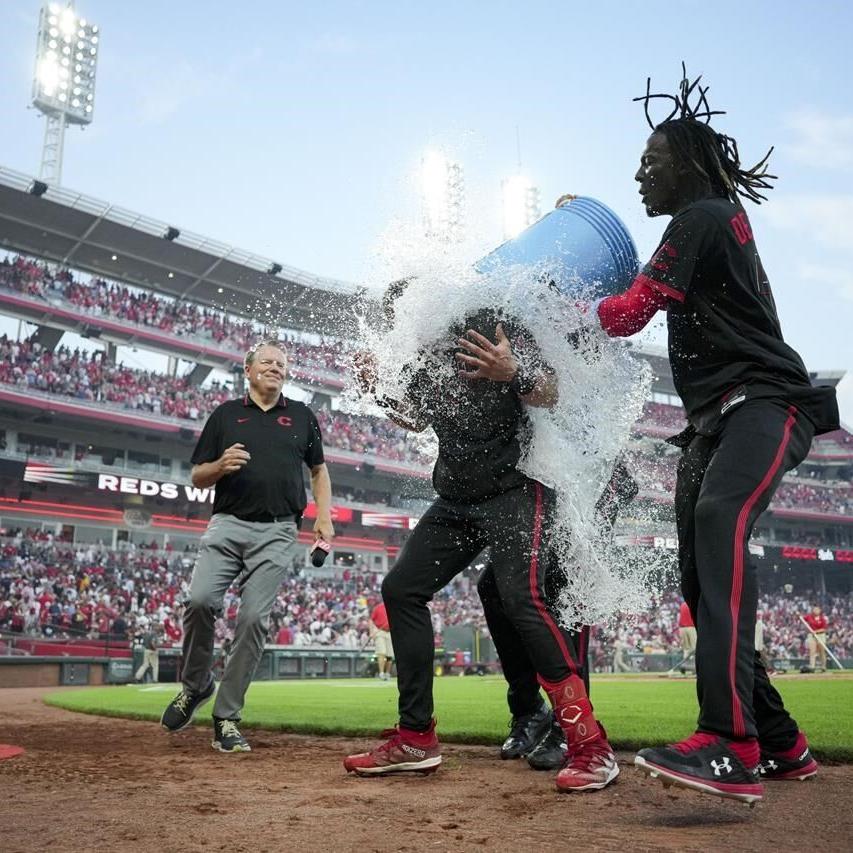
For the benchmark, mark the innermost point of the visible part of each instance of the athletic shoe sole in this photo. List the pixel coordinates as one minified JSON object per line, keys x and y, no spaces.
{"x":800,"y":775}
{"x":233,"y":751}
{"x":591,"y":786}
{"x":201,"y":704}
{"x":749,"y":794}
{"x":428,"y":765}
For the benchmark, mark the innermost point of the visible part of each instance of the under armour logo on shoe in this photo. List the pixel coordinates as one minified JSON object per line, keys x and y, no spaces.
{"x":770,"y":764}
{"x":721,"y":765}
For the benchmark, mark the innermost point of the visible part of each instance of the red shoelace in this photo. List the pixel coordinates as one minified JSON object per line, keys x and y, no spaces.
{"x":391,"y":738}
{"x":588,"y":754}
{"x":695,"y":741}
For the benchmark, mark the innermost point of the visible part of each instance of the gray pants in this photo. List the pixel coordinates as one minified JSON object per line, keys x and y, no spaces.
{"x":150,"y":660}
{"x":257,"y":553}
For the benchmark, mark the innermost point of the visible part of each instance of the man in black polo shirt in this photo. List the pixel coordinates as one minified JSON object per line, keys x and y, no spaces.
{"x":752,"y":413}
{"x":253,"y":449}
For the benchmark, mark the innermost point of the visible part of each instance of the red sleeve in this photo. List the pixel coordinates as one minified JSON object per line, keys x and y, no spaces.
{"x":627,"y":313}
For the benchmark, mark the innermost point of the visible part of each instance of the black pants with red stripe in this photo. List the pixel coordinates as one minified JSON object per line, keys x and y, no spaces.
{"x":523,"y":689}
{"x":523,"y":696}
{"x":514,"y":526}
{"x":724,"y":483}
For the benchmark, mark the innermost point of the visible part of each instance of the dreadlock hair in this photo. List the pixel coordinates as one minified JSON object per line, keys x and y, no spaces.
{"x":698,"y":148}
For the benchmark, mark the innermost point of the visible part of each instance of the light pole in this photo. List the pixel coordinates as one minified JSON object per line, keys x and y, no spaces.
{"x":443,"y":188}
{"x":520,"y":205}
{"x":64,"y":80}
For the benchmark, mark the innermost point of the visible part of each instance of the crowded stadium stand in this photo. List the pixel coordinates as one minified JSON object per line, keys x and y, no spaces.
{"x":98,"y":518}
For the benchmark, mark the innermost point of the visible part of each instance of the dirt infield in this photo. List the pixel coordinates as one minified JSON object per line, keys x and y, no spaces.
{"x":89,"y":783}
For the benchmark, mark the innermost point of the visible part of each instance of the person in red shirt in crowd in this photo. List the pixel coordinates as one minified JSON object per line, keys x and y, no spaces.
{"x":284,"y":636}
{"x":380,"y":633}
{"x":172,"y":627}
{"x":816,"y":639}
{"x":686,"y":632}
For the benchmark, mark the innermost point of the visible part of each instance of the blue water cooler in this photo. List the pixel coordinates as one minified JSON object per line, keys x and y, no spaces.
{"x":582,"y":246}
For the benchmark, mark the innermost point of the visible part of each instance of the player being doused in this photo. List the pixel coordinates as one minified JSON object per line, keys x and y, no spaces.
{"x":472,"y":387}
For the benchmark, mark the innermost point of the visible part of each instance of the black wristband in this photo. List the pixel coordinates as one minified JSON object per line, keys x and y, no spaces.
{"x":385,"y":402}
{"x":521,"y":384}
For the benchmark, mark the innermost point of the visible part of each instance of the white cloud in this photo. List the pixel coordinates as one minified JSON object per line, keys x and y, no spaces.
{"x":822,"y":219}
{"x":821,"y":139}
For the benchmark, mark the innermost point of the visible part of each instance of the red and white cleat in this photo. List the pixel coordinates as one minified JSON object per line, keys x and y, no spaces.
{"x":401,"y":751}
{"x":591,"y":767}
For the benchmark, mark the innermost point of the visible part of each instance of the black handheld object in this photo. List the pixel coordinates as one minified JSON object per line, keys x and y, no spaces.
{"x":319,"y":553}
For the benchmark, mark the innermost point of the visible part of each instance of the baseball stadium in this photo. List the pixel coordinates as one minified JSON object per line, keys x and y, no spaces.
{"x":123,"y":331}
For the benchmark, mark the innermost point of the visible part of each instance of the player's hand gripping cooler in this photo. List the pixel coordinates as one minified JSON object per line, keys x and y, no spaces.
{"x":582,"y":246}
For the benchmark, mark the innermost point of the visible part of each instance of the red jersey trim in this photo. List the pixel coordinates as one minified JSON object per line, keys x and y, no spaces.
{"x":665,"y":289}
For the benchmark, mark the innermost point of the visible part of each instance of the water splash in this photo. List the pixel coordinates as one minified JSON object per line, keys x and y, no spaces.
{"x":571,"y":448}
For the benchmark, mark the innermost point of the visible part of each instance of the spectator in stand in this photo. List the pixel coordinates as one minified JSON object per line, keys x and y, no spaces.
{"x":101,"y":298}
{"x":816,"y":638}
{"x":91,"y":377}
{"x":76,"y":583}
{"x":284,"y":637}
{"x":119,"y":628}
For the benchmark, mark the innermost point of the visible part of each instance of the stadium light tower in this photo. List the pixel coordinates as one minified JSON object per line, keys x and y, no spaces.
{"x":64,"y":80}
{"x":520,"y":205}
{"x":443,"y":187}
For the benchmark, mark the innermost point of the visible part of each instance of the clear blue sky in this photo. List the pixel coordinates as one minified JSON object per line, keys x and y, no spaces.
{"x":293,"y":129}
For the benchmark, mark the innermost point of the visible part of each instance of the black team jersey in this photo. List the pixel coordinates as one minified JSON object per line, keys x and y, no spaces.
{"x":280,"y":441}
{"x":725,"y":340}
{"x":480,"y":424}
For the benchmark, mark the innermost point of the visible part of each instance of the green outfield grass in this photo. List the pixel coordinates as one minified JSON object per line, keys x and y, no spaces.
{"x":637,"y":711}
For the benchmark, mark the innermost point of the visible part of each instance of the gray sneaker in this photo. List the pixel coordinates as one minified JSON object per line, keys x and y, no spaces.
{"x":227,"y":737}
{"x":180,"y":711}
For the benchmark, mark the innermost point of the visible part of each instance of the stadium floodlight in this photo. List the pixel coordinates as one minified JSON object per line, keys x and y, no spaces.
{"x":520,"y":205}
{"x":443,"y":194}
{"x":64,"y":80}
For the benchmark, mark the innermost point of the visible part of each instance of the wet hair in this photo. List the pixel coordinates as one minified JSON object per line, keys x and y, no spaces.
{"x":272,"y":342}
{"x":392,"y":293}
{"x":698,"y":148}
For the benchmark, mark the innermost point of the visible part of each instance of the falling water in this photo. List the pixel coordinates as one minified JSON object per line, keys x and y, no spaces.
{"x":571,"y":448}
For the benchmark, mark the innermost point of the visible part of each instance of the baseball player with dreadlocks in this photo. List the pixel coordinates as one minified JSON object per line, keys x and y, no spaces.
{"x":752,"y":413}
